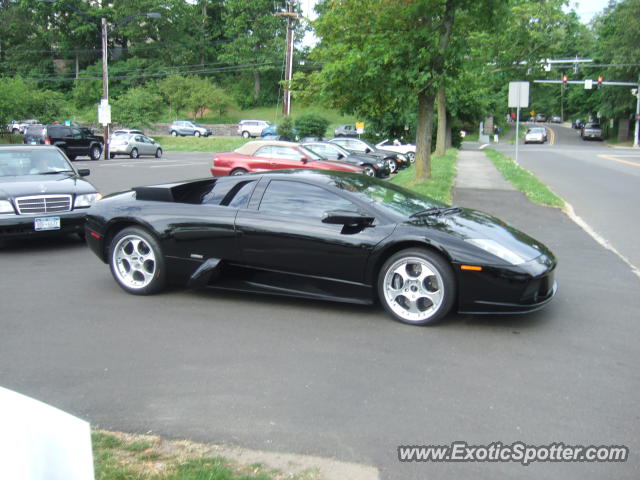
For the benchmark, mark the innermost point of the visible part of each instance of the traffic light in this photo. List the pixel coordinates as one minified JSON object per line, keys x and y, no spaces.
{"x":600,"y":80}
{"x":565,"y":80}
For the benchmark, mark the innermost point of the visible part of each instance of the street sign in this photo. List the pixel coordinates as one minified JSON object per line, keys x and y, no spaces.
{"x":588,"y":84}
{"x":360,"y":127}
{"x":518,"y":94}
{"x":104,"y":112}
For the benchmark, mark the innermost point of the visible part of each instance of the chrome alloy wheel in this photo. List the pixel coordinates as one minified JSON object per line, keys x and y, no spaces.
{"x":413,"y":289}
{"x":134,"y":262}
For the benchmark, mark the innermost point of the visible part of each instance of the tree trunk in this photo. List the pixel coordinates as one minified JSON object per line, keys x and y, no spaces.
{"x":441,"y":139}
{"x":424,"y":134}
{"x":449,"y":139}
{"x":256,"y":85}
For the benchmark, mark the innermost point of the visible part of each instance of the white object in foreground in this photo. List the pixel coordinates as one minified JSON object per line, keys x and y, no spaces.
{"x":40,"y":442}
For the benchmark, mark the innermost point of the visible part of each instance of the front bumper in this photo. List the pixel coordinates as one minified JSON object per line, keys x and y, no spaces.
{"x":23,"y":226}
{"x":508,"y":290}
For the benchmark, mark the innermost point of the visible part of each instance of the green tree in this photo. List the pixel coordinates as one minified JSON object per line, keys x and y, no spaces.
{"x":138,"y":107}
{"x":311,"y":125}
{"x":286,"y":130}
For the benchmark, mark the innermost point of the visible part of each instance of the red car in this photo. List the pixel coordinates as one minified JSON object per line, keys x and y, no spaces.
{"x":259,"y":156}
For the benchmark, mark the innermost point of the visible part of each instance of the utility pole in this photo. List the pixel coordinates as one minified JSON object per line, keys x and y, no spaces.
{"x":288,"y":69}
{"x":105,"y":85}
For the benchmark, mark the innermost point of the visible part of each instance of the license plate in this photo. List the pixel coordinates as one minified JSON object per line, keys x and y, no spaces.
{"x":46,"y":223}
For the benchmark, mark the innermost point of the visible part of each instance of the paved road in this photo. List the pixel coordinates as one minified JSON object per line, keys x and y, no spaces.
{"x":329,"y":379}
{"x":600,"y":182}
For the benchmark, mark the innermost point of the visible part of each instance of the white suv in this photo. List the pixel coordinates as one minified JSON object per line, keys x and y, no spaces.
{"x":252,"y":128}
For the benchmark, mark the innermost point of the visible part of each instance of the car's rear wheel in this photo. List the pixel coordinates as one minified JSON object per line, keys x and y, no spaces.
{"x":174,"y":133}
{"x":95,"y":152}
{"x":136,"y":261}
{"x":112,"y":156}
{"x":159,"y":153}
{"x":238,"y":171}
{"x":416,"y":286}
{"x":245,"y":134}
{"x":196,"y":133}
{"x":393,"y":165}
{"x":369,"y":171}
{"x":134,"y":153}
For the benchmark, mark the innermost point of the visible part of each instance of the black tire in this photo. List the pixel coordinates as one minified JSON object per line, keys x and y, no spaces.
{"x":112,"y":156}
{"x":95,"y":152}
{"x":159,"y":153}
{"x":429,"y":286}
{"x":174,"y":133}
{"x":393,"y":165}
{"x":136,"y":261}
{"x":196,"y":133}
{"x":134,"y":153}
{"x":369,"y":171}
{"x":246,"y":134}
{"x":238,"y":171}
{"x":411,"y":156}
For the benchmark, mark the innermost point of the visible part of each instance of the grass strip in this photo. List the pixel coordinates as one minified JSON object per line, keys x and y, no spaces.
{"x":120,"y":456}
{"x":443,"y":175}
{"x":524,"y":180}
{"x":199,"y":144}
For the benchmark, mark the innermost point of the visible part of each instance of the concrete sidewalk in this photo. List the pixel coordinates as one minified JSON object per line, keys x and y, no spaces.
{"x":475,"y":170}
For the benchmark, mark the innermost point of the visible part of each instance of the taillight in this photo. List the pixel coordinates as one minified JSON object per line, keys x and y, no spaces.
{"x":47,"y":141}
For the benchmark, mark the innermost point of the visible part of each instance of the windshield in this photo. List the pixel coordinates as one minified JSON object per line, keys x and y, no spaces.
{"x":32,"y":162}
{"x":311,"y":154}
{"x":391,"y":198}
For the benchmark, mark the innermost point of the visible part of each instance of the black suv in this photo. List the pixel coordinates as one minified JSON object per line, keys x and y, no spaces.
{"x":74,"y":141}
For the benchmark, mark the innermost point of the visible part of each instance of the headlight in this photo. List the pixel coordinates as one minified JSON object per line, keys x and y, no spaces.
{"x":496,"y":249}
{"x":86,"y":200}
{"x":6,"y":207}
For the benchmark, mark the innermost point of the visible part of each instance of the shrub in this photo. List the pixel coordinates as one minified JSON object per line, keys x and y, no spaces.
{"x":311,"y":125}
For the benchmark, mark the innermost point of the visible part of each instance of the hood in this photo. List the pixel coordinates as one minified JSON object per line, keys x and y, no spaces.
{"x":472,"y":224}
{"x":61,"y":183}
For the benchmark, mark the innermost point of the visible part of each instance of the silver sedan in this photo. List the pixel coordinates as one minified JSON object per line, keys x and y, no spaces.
{"x":134,"y":145}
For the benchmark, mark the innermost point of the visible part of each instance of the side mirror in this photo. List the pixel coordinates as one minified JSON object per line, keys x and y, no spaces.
{"x":304,"y":160}
{"x":347,"y":218}
{"x":84,"y":172}
{"x":367,"y":150}
{"x":340,"y":156}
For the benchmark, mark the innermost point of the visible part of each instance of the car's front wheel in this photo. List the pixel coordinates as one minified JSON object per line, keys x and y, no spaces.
{"x":411,"y":156}
{"x":159,"y":153}
{"x":369,"y":171}
{"x":95,"y":152}
{"x":393,"y":165}
{"x":416,"y":286}
{"x":136,"y":261}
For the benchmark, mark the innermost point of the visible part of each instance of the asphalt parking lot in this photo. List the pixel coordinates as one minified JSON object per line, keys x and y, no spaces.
{"x":330,"y":379}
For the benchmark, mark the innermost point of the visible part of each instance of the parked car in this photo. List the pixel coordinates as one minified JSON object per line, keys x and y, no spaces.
{"x":535,"y":135}
{"x":556,"y":119}
{"x":252,"y":128}
{"x":74,"y":141}
{"x":270,"y":130}
{"x":134,"y":145}
{"x":578,"y":123}
{"x":407,"y":149}
{"x":348,"y":130}
{"x":185,"y":128}
{"x":591,"y":131}
{"x":373,"y":166}
{"x":16,"y":126}
{"x":258,"y":155}
{"x":41,"y":192}
{"x":322,"y":235}
{"x":125,"y":131}
{"x":395,"y":160}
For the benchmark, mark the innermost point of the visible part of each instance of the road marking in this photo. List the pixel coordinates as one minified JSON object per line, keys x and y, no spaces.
{"x":619,"y":160}
{"x":178,"y":165}
{"x":553,"y":135}
{"x":484,"y":146}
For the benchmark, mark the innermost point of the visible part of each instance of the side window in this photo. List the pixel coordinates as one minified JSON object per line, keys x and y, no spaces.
{"x":239,"y":195}
{"x":287,"y":152}
{"x":266,"y":151}
{"x":75,"y":133}
{"x":301,"y":199}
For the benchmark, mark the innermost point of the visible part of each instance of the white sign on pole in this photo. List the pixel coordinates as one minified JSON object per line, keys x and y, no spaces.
{"x":104,"y":112}
{"x":588,"y":84}
{"x":518,"y":94}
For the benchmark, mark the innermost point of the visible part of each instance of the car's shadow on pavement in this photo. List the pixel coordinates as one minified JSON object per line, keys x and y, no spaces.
{"x":53,"y":244}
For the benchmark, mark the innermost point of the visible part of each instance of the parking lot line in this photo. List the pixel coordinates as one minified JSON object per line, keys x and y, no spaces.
{"x":620,"y":160}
